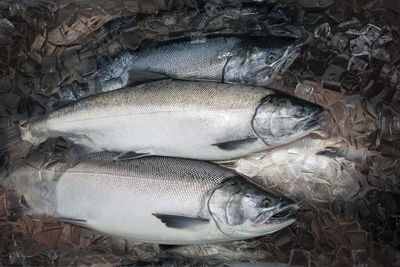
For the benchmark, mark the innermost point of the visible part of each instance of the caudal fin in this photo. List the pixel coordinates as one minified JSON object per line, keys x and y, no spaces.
{"x":12,"y":147}
{"x":33,"y":184}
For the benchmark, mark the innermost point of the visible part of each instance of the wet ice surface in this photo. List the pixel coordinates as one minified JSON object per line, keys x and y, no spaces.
{"x":308,"y":170}
{"x":351,"y":51}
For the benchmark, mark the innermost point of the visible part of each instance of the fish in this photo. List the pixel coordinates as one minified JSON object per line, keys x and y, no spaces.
{"x":154,"y":200}
{"x":221,"y":59}
{"x":312,"y":169}
{"x":197,"y":120}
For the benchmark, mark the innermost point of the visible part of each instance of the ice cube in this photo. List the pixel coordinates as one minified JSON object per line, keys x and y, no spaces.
{"x":371,"y":32}
{"x":323,"y":30}
{"x":380,"y":54}
{"x":299,"y":257}
{"x":49,"y":64}
{"x":357,"y":64}
{"x":339,"y":41}
{"x":359,"y":46}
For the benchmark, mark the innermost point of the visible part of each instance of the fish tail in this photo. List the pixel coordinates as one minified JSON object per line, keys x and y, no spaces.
{"x":29,"y":134}
{"x":12,"y":144}
{"x":18,"y":137}
{"x":32,"y":190}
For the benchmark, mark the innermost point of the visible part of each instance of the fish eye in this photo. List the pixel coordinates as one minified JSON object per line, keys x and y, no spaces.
{"x":266,"y":203}
{"x":302,"y":111}
{"x":270,"y":58}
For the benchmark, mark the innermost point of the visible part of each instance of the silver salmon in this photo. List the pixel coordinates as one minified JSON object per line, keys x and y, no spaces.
{"x":229,"y":60}
{"x":154,"y":199}
{"x":198,"y":120}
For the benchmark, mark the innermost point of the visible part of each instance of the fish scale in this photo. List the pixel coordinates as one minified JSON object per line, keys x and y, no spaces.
{"x":197,"y":120}
{"x":119,"y":198}
{"x":220,"y":59}
{"x":186,"y":60}
{"x":169,"y":118}
{"x":155,"y":199}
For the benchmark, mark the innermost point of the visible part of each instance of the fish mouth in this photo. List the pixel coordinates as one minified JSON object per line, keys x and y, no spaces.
{"x":280,"y":215}
{"x":315,"y":121}
{"x":285,"y":214}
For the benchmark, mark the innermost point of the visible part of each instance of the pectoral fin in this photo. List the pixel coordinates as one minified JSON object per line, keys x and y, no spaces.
{"x":131,"y":155}
{"x":139,"y":77}
{"x":227,"y":164}
{"x":179,"y":222}
{"x":235,"y":144}
{"x":79,"y":222}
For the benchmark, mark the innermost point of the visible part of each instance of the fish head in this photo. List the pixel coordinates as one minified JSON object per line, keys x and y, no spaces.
{"x":281,"y":119}
{"x":244,"y":210}
{"x":261,"y":64}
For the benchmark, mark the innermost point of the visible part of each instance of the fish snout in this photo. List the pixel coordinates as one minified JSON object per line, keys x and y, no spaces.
{"x":317,"y":117}
{"x":286,"y":211}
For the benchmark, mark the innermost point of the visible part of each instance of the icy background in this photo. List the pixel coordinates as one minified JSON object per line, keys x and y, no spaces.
{"x":349,"y":64}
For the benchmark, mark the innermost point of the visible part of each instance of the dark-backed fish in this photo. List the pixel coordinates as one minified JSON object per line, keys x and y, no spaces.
{"x":197,"y":120}
{"x":229,"y":60}
{"x":154,"y":199}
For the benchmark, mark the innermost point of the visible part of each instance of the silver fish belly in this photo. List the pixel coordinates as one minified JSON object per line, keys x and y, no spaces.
{"x":155,"y":199}
{"x":167,"y":118}
{"x":120,"y":199}
{"x":198,"y":120}
{"x":229,"y":60}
